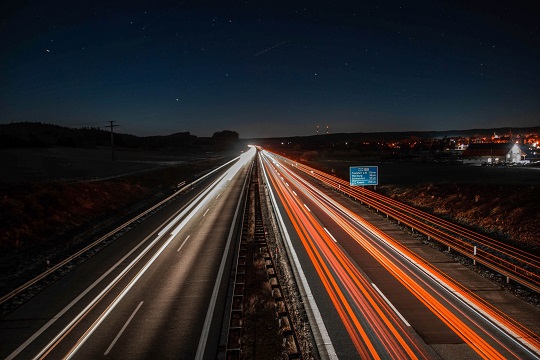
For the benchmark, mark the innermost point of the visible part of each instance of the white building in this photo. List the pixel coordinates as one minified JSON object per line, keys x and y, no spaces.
{"x":493,"y":153}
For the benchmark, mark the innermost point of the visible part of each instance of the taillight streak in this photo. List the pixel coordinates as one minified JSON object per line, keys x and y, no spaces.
{"x":376,"y":311}
{"x":438,"y":309}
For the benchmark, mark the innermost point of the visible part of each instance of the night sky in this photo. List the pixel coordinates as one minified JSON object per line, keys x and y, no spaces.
{"x":271,"y":68}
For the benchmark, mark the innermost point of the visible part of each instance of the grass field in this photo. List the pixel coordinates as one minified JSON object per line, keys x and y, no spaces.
{"x":64,"y":163}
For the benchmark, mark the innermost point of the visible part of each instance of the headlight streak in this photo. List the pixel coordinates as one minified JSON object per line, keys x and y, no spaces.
{"x":191,"y":210}
{"x":458,"y":292}
{"x":245,"y":159}
{"x":185,"y":212}
{"x":514,"y":330}
{"x":380,"y":317}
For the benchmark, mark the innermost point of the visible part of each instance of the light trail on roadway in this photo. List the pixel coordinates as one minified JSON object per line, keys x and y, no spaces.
{"x":471,"y":320}
{"x":511,"y":261}
{"x":158,"y":292}
{"x":371,"y":323}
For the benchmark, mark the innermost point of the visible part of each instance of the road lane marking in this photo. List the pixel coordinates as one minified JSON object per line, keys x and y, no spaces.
{"x":184,"y":211}
{"x":123,"y":293}
{"x":181,"y":246}
{"x":295,"y":194}
{"x":328,"y":232}
{"x":217,"y":197}
{"x":77,"y":299}
{"x":123,"y":328}
{"x":307,"y":208}
{"x":116,"y":301}
{"x":205,"y":212}
{"x":199,"y":202}
{"x":188,"y":212}
{"x":391,"y":305}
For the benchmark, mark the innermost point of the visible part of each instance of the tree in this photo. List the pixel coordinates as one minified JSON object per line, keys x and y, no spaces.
{"x":226,"y":136}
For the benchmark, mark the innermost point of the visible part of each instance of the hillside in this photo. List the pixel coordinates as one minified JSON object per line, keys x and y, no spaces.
{"x":394,"y":135}
{"x":31,"y":135}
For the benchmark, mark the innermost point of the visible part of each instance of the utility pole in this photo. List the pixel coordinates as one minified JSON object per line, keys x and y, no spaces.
{"x":112,"y":126}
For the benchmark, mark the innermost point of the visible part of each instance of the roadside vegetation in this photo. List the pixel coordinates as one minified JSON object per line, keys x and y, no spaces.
{"x":34,"y":214}
{"x":508,"y":213}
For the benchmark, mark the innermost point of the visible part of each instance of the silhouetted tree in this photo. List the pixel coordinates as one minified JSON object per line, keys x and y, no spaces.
{"x":227,"y":136}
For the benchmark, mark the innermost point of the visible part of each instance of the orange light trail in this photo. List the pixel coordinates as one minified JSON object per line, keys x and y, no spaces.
{"x":525,"y":336}
{"x":509,"y":260}
{"x":328,"y":259}
{"x":469,"y":336}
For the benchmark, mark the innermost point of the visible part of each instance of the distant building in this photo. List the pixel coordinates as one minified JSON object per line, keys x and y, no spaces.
{"x":493,"y":153}
{"x":509,"y":138}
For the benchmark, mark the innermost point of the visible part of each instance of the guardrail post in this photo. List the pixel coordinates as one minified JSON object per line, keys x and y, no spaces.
{"x":474,"y":253}
{"x":508,"y":279}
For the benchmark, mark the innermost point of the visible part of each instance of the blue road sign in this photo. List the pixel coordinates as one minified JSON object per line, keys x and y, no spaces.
{"x":364,"y":175}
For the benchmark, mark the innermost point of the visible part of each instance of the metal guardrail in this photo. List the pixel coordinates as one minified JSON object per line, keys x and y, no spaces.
{"x":511,"y":262}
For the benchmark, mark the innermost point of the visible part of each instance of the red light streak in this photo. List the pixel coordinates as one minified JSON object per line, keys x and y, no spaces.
{"x":519,"y":331}
{"x":334,"y":267}
{"x":323,"y":250}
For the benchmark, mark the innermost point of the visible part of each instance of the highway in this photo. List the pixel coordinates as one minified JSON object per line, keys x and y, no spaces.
{"x":157,"y":292}
{"x":161,"y":289}
{"x":375,"y":298}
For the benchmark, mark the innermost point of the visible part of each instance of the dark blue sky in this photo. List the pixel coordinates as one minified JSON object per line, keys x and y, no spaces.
{"x":272,"y":68}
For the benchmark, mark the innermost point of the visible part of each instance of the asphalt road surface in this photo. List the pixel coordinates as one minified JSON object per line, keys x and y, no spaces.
{"x":375,"y":298}
{"x":156,"y":292}
{"x":159,"y":291}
